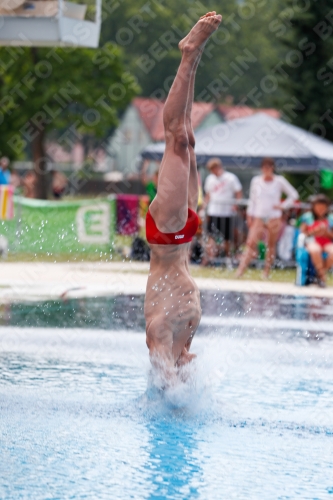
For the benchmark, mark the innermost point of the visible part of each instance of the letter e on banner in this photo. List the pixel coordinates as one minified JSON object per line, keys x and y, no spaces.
{"x":93,"y":224}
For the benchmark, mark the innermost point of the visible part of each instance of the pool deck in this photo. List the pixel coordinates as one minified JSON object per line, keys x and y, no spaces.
{"x":29,"y":281}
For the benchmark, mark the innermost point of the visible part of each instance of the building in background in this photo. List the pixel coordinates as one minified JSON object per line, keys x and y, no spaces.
{"x":142,"y":124}
{"x":228,"y":112}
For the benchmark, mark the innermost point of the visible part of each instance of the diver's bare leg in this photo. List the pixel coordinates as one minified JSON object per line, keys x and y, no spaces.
{"x":193,"y":188}
{"x":193,"y":183}
{"x":168,"y":208}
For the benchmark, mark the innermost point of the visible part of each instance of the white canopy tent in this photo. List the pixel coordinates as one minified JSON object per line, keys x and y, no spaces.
{"x":242,"y":143}
{"x":48,"y":23}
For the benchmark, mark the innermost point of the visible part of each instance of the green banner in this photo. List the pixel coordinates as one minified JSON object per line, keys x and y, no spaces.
{"x":55,"y":227}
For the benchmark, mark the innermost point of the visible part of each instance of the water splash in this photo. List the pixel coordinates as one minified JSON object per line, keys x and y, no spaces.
{"x":192,"y":397}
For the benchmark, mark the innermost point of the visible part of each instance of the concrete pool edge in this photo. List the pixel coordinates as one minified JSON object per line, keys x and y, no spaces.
{"x":30,"y":281}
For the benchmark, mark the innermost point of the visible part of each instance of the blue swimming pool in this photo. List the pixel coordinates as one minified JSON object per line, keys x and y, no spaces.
{"x":254,"y":420}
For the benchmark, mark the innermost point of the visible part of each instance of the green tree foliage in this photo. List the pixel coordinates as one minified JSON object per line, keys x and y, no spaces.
{"x":235,"y":60}
{"x":306,"y":31}
{"x":79,"y":91}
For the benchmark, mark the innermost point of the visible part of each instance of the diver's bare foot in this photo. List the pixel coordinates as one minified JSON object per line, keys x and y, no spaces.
{"x":183,"y":42}
{"x":199,"y":34}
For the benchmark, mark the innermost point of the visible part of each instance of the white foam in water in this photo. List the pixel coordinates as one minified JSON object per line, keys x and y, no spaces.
{"x":196,"y":393}
{"x":191,"y":396}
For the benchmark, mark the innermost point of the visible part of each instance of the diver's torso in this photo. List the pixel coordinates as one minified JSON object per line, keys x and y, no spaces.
{"x":172,"y":295}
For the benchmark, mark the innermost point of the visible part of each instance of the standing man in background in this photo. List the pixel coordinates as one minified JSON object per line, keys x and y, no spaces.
{"x":221,"y":190}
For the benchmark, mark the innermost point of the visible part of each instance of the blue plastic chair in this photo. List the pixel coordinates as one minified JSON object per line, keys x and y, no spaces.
{"x":305,"y":270}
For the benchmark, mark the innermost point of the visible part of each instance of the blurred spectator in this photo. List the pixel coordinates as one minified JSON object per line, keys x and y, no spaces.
{"x":15,"y":179}
{"x":113,"y":176}
{"x":140,"y":249}
{"x":3,"y":248}
{"x":285,"y":245}
{"x":3,"y":180}
{"x":264,"y":213}
{"x":149,"y":181}
{"x":241,"y":227}
{"x":221,"y":190}
{"x":58,"y":183}
{"x":29,"y":184}
{"x":196,"y":251}
{"x":318,"y":228}
{"x":4,"y":171}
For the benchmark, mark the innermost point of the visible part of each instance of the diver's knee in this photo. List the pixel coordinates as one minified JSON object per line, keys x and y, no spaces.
{"x":177,"y":137}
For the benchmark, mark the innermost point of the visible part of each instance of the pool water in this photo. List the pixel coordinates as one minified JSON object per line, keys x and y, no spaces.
{"x":80,"y":420}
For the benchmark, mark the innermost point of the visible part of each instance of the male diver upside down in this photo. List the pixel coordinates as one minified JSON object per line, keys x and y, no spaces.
{"x":172,"y":303}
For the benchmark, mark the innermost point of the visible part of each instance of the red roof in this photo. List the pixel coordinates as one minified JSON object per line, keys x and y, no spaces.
{"x":151,"y":113}
{"x":233,"y":112}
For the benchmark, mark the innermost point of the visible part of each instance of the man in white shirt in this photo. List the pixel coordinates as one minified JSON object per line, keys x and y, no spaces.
{"x":221,"y":190}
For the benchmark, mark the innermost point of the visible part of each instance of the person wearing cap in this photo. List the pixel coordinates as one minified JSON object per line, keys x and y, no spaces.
{"x":264,"y":214}
{"x":317,"y":225}
{"x":221,"y":190}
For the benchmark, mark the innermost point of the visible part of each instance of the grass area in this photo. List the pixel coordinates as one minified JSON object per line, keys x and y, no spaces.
{"x":277,"y":275}
{"x":115,"y":254}
{"x":280,"y":275}
{"x":61,"y":258}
